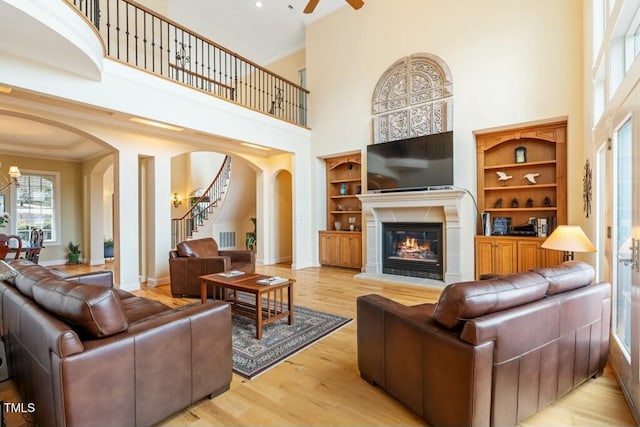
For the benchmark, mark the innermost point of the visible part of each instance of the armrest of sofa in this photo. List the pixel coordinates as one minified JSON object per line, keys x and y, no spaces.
{"x":206,"y":265}
{"x":240,"y":255}
{"x":185,"y":272}
{"x":371,"y":311}
{"x":102,"y":278}
{"x":185,"y":351}
{"x":424,"y":365}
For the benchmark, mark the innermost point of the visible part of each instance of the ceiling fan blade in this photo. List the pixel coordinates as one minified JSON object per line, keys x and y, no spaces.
{"x":311,"y":6}
{"x":356,"y":4}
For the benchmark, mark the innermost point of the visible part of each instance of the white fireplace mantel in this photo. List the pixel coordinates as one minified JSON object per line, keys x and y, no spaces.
{"x":414,"y":206}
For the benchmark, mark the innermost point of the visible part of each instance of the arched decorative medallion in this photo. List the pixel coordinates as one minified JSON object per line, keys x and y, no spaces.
{"x":413,"y":98}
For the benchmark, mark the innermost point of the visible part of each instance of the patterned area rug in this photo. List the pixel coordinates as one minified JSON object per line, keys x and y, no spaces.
{"x":279,"y":339}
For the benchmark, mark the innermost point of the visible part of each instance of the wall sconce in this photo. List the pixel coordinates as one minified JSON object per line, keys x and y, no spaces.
{"x":14,"y":174}
{"x":177,"y":200}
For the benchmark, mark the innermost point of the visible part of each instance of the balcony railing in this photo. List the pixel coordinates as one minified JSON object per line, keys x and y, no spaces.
{"x":138,"y":36}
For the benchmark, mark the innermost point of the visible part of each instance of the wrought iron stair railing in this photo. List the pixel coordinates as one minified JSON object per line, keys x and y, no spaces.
{"x":140,"y":37}
{"x":183,"y":228}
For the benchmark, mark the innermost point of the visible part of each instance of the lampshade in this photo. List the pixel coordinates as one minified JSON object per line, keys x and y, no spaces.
{"x":14,"y":172}
{"x":569,"y":238}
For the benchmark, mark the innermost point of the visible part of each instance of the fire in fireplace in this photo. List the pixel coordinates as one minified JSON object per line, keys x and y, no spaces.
{"x":413,"y":249}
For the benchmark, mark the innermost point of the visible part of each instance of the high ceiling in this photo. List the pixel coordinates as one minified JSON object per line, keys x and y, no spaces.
{"x":260,"y":34}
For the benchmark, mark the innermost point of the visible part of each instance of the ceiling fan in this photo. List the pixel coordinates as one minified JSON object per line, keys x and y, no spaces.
{"x":356,"y":4}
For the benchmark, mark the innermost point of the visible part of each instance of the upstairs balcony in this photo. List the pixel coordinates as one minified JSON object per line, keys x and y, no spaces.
{"x":140,"y":37}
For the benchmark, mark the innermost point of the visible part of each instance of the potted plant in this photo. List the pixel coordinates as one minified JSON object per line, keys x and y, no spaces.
{"x":250,"y":239}
{"x":74,"y":253}
{"x":108,"y":247}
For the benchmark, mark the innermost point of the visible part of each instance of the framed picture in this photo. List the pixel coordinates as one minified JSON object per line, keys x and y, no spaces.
{"x":501,"y":226}
{"x":2,"y":203}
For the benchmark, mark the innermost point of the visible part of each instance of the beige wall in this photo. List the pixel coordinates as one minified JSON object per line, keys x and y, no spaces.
{"x":70,"y":200}
{"x":289,"y":66}
{"x":511,"y":62}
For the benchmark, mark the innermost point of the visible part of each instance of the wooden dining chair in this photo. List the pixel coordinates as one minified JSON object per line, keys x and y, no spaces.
{"x":5,"y":247}
{"x":36,"y":243}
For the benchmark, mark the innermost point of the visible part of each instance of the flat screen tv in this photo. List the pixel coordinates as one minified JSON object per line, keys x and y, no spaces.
{"x":417,"y":163}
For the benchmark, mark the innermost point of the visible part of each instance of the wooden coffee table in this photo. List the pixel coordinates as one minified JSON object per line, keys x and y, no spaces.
{"x":264,"y":312}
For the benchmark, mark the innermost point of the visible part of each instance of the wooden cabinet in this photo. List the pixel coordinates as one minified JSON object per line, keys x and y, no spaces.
{"x":350,"y":250}
{"x":521,"y":177}
{"x":329,"y":248}
{"x":496,"y":256}
{"x":341,"y":243}
{"x":509,"y":254}
{"x":341,"y":249}
{"x":531,"y":255}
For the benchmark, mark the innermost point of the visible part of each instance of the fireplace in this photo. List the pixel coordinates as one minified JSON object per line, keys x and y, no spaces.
{"x":410,"y":207}
{"x":412,"y":249}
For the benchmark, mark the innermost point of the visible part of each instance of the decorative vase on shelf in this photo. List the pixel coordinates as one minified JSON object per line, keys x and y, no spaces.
{"x":343,"y":189}
{"x":337,"y":225}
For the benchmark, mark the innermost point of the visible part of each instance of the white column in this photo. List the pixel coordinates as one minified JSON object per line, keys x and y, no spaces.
{"x":96,"y":218}
{"x":303,"y":227}
{"x":158,"y":221}
{"x":126,"y":220}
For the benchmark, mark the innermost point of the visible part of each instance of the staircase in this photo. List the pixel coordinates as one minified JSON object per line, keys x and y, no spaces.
{"x":202,"y":209}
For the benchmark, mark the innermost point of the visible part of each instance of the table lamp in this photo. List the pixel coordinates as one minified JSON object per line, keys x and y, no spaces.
{"x":568,"y":239}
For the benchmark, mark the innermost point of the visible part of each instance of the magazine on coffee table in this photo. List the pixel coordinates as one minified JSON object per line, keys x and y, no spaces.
{"x":232,"y":273}
{"x":272,"y":280}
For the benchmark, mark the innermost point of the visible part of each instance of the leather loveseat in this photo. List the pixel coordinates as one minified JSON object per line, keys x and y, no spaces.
{"x":194,"y":258}
{"x":86,"y":354}
{"x":492,"y":352}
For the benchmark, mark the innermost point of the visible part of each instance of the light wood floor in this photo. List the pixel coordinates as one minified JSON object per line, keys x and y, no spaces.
{"x":322,"y":386}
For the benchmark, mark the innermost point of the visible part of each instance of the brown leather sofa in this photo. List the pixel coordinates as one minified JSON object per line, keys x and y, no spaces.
{"x":492,"y":352}
{"x":194,"y":258}
{"x":86,"y":354}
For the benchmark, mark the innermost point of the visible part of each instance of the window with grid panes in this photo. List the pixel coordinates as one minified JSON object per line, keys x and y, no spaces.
{"x":35,"y":205}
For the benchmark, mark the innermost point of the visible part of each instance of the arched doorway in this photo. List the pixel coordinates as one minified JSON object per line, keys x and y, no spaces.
{"x":282,"y":218}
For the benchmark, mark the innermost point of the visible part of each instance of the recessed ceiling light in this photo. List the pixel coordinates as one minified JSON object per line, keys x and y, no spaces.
{"x":258,"y":4}
{"x":156,"y":124}
{"x":5,"y":89}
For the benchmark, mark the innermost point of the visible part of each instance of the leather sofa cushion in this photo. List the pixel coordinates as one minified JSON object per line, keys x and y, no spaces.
{"x":567,"y":276}
{"x":198,"y":248}
{"x":29,"y":274}
{"x":141,"y":309}
{"x":95,"y":310}
{"x":467,"y":300}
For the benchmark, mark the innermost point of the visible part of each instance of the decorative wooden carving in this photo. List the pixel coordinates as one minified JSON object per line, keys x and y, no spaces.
{"x":413,"y":98}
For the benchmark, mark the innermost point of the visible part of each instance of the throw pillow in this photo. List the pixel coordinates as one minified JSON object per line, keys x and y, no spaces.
{"x":6,"y":271}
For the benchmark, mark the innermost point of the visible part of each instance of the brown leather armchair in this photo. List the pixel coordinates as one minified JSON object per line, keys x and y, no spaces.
{"x":194,"y":258}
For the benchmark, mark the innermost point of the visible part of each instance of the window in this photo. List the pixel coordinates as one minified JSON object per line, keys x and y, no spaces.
{"x":632,"y":41}
{"x":36,"y":205}
{"x":598,"y":25}
{"x":302,"y":81}
{"x":599,"y":94}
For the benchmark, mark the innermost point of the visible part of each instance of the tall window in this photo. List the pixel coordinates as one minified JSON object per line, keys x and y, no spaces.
{"x":632,"y":41}
{"x":35,"y":204}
